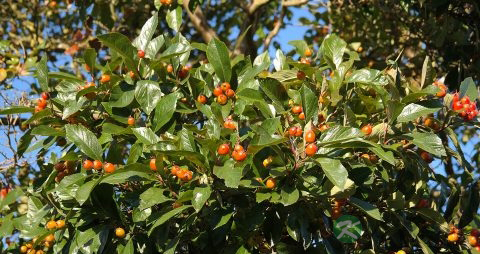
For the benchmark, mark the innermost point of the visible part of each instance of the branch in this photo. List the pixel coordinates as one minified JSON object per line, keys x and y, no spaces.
{"x":275,"y":30}
{"x":294,"y":3}
{"x":255,"y":5}
{"x":200,"y":23}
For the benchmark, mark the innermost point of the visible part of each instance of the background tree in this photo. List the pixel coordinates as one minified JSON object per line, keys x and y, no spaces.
{"x":265,"y":162}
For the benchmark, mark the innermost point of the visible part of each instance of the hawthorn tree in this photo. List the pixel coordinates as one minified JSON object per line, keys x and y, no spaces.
{"x":157,"y":149}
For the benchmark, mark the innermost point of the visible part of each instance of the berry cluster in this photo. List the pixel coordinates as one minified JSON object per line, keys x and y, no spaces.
{"x":97,"y":165}
{"x":64,"y":168}
{"x":182,"y":174}
{"x":443,"y":89}
{"x":467,"y":109}
{"x":474,"y":239}
{"x":298,"y":110}
{"x":223,"y":92}
{"x":238,"y":154}
{"x":309,"y":138}
{"x":47,"y":241}
{"x":453,"y":236}
{"x":42,"y":102}
{"x":337,"y":208}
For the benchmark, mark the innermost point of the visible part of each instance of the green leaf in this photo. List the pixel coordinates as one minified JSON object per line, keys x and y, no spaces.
{"x":165,"y":217}
{"x":122,"y":45}
{"x":218,"y":56}
{"x":367,"y":76}
{"x":334,"y":170}
{"x":228,"y":172}
{"x":368,"y":208}
{"x":280,"y":61}
{"x":83,"y":193}
{"x":333,"y":49}
{"x":433,"y":216}
{"x":45,"y":130}
{"x":164,"y":110}
{"x":151,"y":197}
{"x":154,"y":46}
{"x":386,"y":156}
{"x":11,"y":197}
{"x":289,"y":195}
{"x":146,"y":34}
{"x":338,"y":134}
{"x":145,"y":135}
{"x":174,"y":50}
{"x":90,"y":56}
{"x":200,"y":196}
{"x":148,"y":94}
{"x":427,"y":73}
{"x":174,"y":18}
{"x":429,"y":142}
{"x":468,"y":88}
{"x":129,"y":249}
{"x":413,"y":111}
{"x":135,"y":152}
{"x":300,"y":46}
{"x":64,"y":76}
{"x":132,"y":172}
{"x":309,"y":102}
{"x":16,"y":110}
{"x":85,"y":140}
{"x":42,"y":73}
{"x":424,"y":246}
{"x":429,"y":90}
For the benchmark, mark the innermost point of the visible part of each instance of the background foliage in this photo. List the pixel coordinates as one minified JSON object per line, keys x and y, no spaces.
{"x":380,"y":73}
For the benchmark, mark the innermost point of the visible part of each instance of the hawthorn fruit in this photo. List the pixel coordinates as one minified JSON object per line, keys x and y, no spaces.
{"x":51,"y":225}
{"x":311,"y":149}
{"x":104,"y":78}
{"x":223,"y":149}
{"x":97,"y":164}
{"x":109,"y":167}
{"x":141,"y":54}
{"x":87,"y":164}
{"x":310,"y":136}
{"x":153,"y":165}
{"x":120,"y":232}
{"x":367,"y":129}
{"x":131,"y":121}
{"x":270,"y":183}
{"x":202,"y":99}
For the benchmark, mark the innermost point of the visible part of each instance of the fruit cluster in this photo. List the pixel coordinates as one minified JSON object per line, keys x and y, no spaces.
{"x":182,"y":174}
{"x":64,"y":168}
{"x":467,"y":109}
{"x":238,"y":154}
{"x":474,"y":239}
{"x":337,"y":208}
{"x":310,"y":137}
{"x":97,"y":165}
{"x":47,"y":241}
{"x":298,"y":110}
{"x":223,"y":92}
{"x":42,"y":102}
{"x":453,"y":236}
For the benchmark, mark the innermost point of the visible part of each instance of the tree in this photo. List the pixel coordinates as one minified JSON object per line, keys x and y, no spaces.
{"x":170,"y":144}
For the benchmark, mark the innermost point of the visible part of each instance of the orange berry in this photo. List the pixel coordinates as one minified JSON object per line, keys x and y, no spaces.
{"x":60,"y":224}
{"x":336,"y":213}
{"x":45,"y":95}
{"x":230,"y":93}
{"x":109,"y":167}
{"x":238,"y":148}
{"x":271,"y":183}
{"x":222,"y":99}
{"x":223,"y":149}
{"x":50,"y":238}
{"x":452,"y":237}
{"x":97,"y":164}
{"x":367,"y":129}
{"x":169,"y":68}
{"x":217,"y":91}
{"x":301,"y":116}
{"x":23,"y":249}
{"x":120,"y":232}
{"x":472,"y":240}
{"x":131,"y":74}
{"x":141,"y":54}
{"x":292,"y":131}
{"x":310,"y":136}
{"x":267,"y":161}
{"x":311,"y":149}
{"x":323,"y":127}
{"x":308,"y":52}
{"x":239,"y":155}
{"x":105,"y":78}
{"x":428,"y":122}
{"x":153,"y":165}
{"x":174,"y":170}
{"x":51,"y":225}
{"x":298,"y":132}
{"x":87,"y":164}
{"x":306,"y":61}
{"x":202,"y":99}
{"x":229,"y":124}
{"x":42,"y":103}
{"x":225,"y":86}
{"x":441,"y":93}
{"x":297,"y":109}
{"x":38,"y":109}
{"x":131,"y":121}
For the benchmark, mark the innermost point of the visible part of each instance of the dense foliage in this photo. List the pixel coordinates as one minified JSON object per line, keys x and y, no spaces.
{"x":161,"y":144}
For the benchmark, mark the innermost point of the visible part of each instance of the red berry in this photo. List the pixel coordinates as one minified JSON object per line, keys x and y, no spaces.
{"x":87,"y":164}
{"x":223,"y":149}
{"x":301,"y":116}
{"x":109,"y":167}
{"x":225,"y":86}
{"x":301,"y":75}
{"x":202,"y":99}
{"x":311,"y":149}
{"x":217,"y":91}
{"x":457,"y":105}
{"x":310,"y":136}
{"x":465,"y":100}
{"x":45,"y":96}
{"x":298,"y":132}
{"x":297,"y":110}
{"x":141,"y":54}
{"x":153,"y":165}
{"x":367,"y":129}
{"x":222,"y":99}
{"x":230,"y":93}
{"x":292,"y":131}
{"x":238,"y":148}
{"x":239,"y":155}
